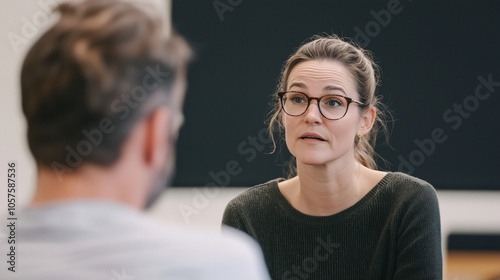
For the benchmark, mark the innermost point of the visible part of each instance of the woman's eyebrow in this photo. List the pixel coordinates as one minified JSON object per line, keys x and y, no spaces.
{"x":325,"y":89}
{"x":333,"y":88}
{"x":299,"y":85}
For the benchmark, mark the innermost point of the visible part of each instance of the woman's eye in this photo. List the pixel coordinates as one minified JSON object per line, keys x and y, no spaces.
{"x":297,"y":99}
{"x":333,"y":103}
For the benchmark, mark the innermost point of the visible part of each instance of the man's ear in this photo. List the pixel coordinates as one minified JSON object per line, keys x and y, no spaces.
{"x":157,"y":139}
{"x":367,"y":120}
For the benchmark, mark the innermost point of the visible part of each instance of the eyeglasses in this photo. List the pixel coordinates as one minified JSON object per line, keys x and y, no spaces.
{"x":332,"y":107}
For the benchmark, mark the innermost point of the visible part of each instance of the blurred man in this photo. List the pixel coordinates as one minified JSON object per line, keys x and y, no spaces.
{"x":102,"y":93}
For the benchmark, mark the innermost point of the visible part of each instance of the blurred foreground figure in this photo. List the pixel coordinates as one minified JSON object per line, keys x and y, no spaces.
{"x":102,"y":92}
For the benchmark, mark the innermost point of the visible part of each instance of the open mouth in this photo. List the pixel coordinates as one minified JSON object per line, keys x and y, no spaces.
{"x":313,"y":137}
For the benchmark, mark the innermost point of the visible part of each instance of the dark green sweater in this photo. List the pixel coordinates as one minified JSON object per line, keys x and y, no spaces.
{"x":391,"y":233}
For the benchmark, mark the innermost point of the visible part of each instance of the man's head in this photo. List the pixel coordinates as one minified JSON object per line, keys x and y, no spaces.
{"x":106,"y":70}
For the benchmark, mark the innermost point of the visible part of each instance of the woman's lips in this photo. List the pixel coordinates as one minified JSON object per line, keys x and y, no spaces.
{"x":311,"y":138}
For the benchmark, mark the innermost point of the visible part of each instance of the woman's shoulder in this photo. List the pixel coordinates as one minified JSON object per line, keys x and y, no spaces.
{"x":408,"y":182}
{"x":407,"y":187}
{"x":258,"y":194}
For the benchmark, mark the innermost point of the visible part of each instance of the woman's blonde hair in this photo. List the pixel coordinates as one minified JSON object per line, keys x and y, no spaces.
{"x":360,"y":64}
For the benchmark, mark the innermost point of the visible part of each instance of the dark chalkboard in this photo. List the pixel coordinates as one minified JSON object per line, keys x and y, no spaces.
{"x":440,"y":65}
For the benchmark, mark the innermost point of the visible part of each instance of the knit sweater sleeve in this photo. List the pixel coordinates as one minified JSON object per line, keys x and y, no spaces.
{"x":419,"y":238}
{"x":233,"y":218}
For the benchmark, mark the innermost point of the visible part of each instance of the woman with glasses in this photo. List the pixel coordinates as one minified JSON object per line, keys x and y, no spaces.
{"x":338,"y":217}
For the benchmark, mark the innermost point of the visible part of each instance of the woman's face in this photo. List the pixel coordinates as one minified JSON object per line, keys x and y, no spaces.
{"x":317,"y":78}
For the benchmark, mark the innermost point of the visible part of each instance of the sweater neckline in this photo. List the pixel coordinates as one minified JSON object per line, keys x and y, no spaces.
{"x":295,"y":214}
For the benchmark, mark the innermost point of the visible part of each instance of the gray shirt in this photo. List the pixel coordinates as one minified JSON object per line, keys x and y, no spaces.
{"x":92,"y":239}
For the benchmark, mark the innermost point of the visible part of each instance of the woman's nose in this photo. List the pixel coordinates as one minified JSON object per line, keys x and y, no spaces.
{"x":312,"y":114}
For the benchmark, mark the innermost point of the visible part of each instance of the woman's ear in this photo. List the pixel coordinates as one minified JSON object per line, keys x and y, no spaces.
{"x":367,"y":120}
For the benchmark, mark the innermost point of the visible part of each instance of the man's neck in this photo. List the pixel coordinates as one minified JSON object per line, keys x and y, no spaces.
{"x":86,"y":182}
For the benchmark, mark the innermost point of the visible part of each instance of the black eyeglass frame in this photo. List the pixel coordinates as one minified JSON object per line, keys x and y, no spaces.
{"x":318,"y":99}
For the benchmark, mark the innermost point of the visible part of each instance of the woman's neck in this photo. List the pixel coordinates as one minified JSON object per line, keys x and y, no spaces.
{"x":325,"y":190}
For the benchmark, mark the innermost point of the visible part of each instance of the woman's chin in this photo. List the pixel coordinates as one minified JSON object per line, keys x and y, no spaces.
{"x":312,"y":159}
